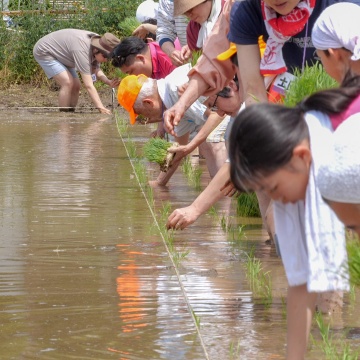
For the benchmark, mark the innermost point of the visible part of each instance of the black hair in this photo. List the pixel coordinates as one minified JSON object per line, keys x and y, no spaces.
{"x":151,"y":21}
{"x":264,"y":135}
{"x":125,"y":52}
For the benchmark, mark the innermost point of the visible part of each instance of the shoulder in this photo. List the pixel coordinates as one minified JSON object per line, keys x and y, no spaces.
{"x":246,"y":22}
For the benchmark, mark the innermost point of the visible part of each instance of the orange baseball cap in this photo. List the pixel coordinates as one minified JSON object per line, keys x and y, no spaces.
{"x":128,"y":92}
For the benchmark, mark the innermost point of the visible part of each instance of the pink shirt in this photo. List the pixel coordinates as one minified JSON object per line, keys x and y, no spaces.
{"x":161,"y":63}
{"x":352,"y":109}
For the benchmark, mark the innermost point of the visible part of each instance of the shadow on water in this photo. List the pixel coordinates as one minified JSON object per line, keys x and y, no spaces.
{"x":84,"y":270}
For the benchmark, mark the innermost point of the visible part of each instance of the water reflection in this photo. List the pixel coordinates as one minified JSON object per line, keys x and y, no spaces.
{"x":84,"y":273}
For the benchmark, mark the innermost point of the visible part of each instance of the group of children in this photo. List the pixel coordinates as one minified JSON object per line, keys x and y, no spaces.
{"x":302,"y":162}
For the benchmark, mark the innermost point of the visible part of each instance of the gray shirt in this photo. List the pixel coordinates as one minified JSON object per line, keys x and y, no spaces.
{"x":71,"y":47}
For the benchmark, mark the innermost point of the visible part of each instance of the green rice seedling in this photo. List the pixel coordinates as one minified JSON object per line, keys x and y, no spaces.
{"x":155,"y":150}
{"x":235,"y":349}
{"x":332,"y":348}
{"x":192,"y":173}
{"x":353,"y":250}
{"x":121,"y":124}
{"x":131,"y":148}
{"x":196,"y":318}
{"x":150,"y":195}
{"x":140,"y":171}
{"x":179,"y":256}
{"x":311,"y":79}
{"x":195,"y":57}
{"x":260,"y":281}
{"x":247,"y":205}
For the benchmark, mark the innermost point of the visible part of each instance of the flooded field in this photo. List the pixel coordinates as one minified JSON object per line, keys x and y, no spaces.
{"x":85,"y":271}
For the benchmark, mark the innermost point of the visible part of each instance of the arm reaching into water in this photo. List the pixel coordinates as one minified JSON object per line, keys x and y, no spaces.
{"x":183,"y":217}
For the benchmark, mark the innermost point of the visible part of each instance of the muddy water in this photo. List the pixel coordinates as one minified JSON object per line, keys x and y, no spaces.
{"x":84,"y":272}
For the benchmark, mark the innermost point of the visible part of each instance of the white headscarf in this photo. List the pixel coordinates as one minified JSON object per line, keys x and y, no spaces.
{"x":338,"y":26}
{"x":339,"y":175}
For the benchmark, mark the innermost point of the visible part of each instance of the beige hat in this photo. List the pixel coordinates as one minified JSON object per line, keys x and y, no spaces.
{"x":105,"y":43}
{"x":182,"y":6}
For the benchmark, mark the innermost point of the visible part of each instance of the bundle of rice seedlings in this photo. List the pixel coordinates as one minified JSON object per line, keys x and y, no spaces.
{"x":313,"y":78}
{"x":155,"y":150}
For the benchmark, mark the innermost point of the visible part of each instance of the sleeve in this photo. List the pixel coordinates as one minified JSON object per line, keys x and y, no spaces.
{"x":247,"y":23}
{"x":82,"y":62}
{"x":165,"y":23}
{"x":181,"y":23}
{"x":192,"y":34}
{"x":214,"y":72}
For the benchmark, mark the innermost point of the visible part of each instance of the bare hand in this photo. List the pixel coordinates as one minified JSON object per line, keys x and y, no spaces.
{"x":176,"y":58}
{"x":181,"y":218}
{"x":104,"y":111}
{"x":114,"y":83}
{"x":185,"y":53}
{"x":228,"y":189}
{"x":142,"y":30}
{"x":173,"y":116}
{"x":180,"y":150}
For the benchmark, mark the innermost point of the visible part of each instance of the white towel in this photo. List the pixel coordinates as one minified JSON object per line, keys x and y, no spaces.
{"x":208,"y":25}
{"x":331,"y":31}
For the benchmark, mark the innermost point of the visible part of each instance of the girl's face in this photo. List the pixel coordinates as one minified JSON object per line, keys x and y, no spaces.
{"x":289,"y":183}
{"x":282,"y":7}
{"x":200,"y":13}
{"x":349,"y":214}
{"x":336,"y":62}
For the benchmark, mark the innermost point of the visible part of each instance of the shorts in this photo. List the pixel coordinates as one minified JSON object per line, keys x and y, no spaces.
{"x":55,"y":67}
{"x":186,"y":126}
{"x":218,"y":134}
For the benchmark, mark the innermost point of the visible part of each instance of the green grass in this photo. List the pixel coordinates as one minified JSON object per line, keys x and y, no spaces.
{"x":313,"y":78}
{"x":192,"y":173}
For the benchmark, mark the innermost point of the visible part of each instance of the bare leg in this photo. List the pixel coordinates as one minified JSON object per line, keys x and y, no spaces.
{"x":300,"y":311}
{"x":215,"y":155}
{"x":69,"y":89}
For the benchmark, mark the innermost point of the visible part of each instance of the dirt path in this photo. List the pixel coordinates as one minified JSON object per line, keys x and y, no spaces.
{"x":28,"y":96}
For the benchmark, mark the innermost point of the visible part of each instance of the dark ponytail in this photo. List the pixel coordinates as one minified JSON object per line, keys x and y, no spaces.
{"x":334,"y":101}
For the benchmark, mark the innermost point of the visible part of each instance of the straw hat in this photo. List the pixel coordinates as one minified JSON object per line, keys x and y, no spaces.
{"x":182,"y":6}
{"x":105,"y":43}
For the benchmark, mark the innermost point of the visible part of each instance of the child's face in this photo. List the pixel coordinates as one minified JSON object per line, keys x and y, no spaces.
{"x":282,"y":7}
{"x":349,"y":214}
{"x":289,"y":183}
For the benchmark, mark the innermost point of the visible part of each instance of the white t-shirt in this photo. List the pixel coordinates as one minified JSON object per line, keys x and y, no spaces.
{"x":194,"y":116}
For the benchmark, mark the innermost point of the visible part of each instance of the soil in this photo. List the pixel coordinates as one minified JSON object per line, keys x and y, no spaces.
{"x":25,"y":95}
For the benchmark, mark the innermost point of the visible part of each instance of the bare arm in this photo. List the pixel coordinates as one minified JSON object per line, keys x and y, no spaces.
{"x":210,"y":124}
{"x":249,"y":67}
{"x":300,"y":310}
{"x":90,"y":88}
{"x":183,"y":217}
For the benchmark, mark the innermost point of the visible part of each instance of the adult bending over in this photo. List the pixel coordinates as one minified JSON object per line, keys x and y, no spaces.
{"x":64,"y":52}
